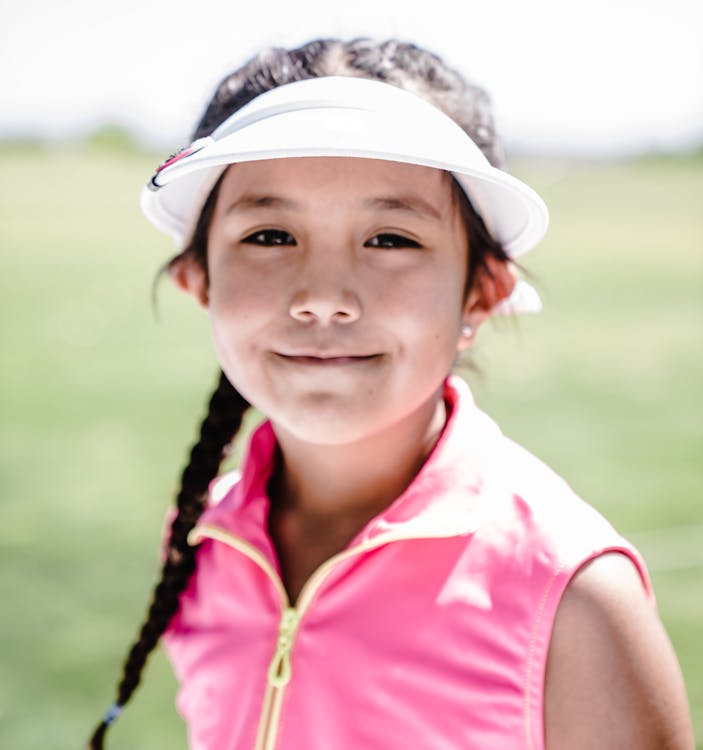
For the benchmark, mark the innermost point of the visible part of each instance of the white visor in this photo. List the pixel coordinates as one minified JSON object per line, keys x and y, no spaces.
{"x":349,"y":117}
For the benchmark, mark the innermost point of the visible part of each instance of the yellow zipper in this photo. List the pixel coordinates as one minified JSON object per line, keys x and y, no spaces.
{"x":280,"y":671}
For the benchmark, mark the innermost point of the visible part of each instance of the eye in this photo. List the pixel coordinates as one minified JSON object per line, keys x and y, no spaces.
{"x":388,"y":241}
{"x":270,"y":238}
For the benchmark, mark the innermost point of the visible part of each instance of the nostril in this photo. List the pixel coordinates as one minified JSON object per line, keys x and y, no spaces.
{"x":326,"y":306}
{"x":304,"y":314}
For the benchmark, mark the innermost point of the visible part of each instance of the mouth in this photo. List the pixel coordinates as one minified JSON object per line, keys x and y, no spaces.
{"x":327,"y":360}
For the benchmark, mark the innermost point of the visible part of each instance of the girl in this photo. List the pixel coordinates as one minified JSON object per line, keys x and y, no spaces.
{"x":388,"y":571}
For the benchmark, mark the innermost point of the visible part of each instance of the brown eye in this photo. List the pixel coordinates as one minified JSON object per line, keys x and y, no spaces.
{"x":389,"y":241}
{"x":270,"y":238}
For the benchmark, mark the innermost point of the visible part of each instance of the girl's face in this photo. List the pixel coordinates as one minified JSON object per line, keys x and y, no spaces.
{"x":336,"y":291}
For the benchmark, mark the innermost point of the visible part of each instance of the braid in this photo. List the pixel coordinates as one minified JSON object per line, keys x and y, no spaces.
{"x":223,"y":420}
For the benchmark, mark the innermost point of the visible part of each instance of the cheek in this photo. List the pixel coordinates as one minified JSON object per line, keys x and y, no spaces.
{"x":430,"y":316}
{"x":235,"y":311}
{"x":242,"y":293}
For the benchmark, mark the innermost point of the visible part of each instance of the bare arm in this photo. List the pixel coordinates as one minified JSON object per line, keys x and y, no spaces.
{"x":612,"y":680}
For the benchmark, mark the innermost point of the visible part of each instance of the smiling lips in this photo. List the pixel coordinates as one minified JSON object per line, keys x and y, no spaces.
{"x":326,"y":360}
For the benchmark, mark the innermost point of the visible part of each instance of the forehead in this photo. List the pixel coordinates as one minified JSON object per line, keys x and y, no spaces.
{"x":351,"y":179}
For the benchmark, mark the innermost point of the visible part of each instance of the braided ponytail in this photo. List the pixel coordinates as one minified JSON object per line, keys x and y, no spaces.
{"x":222,"y":422}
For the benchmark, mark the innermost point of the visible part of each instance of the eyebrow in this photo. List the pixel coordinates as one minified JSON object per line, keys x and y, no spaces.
{"x":247,"y":202}
{"x":412,"y":204}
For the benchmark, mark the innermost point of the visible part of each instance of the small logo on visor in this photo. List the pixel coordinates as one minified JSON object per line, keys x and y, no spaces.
{"x":179,"y":155}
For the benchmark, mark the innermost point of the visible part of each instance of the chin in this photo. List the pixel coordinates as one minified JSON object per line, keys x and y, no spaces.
{"x":328,"y":423}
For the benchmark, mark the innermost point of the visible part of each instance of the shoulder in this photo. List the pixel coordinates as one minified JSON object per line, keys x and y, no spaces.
{"x":548,"y":526}
{"x":612,"y":678}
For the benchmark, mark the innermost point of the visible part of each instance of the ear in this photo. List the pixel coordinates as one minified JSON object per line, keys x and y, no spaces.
{"x":494,"y":281}
{"x":188,"y":274}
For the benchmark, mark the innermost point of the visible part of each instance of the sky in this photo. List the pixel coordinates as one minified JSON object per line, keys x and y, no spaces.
{"x":597,"y":78}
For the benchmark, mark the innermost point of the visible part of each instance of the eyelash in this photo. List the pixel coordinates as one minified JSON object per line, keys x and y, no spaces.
{"x":270,"y":238}
{"x":390,"y":241}
{"x":280,"y":238}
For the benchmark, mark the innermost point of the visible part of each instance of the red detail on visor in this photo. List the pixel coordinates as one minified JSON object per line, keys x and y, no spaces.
{"x":182,"y":153}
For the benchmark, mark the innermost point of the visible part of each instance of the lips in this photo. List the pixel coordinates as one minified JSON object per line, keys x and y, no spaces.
{"x":330,"y":360}
{"x":326,"y":359}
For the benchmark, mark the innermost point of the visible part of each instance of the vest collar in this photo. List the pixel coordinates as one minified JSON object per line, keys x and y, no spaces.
{"x":445,"y":498}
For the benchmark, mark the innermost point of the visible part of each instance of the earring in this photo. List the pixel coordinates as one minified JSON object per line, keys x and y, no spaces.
{"x":467,"y":331}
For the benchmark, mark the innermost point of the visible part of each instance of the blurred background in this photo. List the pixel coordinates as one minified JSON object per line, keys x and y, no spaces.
{"x":601,"y":108}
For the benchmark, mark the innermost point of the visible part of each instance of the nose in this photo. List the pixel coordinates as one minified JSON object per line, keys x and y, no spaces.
{"x":325,"y":306}
{"x":323,"y":295}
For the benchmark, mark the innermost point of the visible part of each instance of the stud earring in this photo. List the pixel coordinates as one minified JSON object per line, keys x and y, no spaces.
{"x":467,"y":331}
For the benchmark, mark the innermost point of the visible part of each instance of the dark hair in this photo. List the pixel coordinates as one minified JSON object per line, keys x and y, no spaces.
{"x":398,"y":63}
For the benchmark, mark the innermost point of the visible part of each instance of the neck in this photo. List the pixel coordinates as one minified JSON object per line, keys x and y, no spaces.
{"x":354,"y":481}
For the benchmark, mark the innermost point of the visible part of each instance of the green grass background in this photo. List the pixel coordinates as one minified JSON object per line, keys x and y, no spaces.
{"x":100,"y":400}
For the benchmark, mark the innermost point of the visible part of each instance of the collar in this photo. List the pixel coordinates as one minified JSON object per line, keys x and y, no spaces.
{"x":447,"y":497}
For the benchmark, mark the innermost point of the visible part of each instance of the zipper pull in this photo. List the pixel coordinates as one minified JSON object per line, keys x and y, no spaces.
{"x":279,"y":669}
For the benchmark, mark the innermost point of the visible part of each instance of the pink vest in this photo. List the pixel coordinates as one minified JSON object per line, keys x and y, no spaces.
{"x":429,"y":631}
